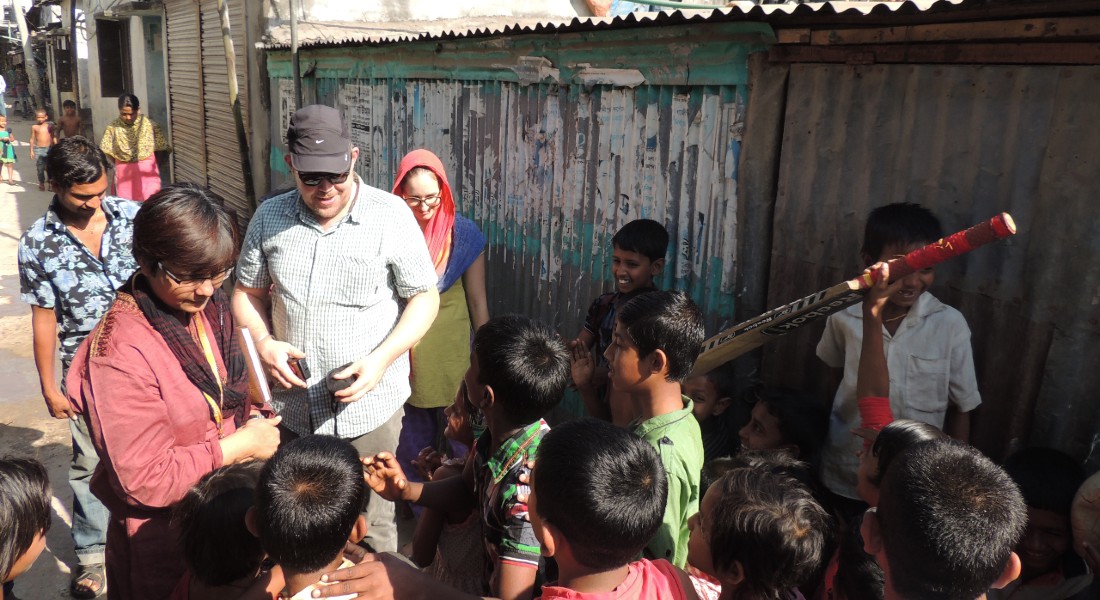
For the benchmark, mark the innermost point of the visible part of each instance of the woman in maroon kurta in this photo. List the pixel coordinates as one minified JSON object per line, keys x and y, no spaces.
{"x":162,"y":385}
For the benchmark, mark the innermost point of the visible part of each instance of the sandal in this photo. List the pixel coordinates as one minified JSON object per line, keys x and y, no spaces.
{"x":89,"y":582}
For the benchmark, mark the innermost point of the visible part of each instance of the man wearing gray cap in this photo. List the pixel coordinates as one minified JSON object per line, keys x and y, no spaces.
{"x":322,"y":273}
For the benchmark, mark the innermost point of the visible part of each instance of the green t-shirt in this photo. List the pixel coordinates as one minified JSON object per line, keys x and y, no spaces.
{"x":679,"y":443}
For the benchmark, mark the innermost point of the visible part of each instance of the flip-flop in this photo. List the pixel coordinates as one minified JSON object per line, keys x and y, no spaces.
{"x":88,"y":573}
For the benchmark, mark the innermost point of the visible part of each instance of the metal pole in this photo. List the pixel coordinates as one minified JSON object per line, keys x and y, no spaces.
{"x":296,"y":65}
{"x":73,"y":54}
{"x":235,"y":102}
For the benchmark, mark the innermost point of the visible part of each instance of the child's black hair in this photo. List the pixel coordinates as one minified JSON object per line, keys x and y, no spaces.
{"x":216,"y":544}
{"x":526,"y":364}
{"x":644,"y":236}
{"x":75,"y":160}
{"x":24,"y":508}
{"x":772,"y":526}
{"x":803,"y":420}
{"x":666,"y":321}
{"x":1047,"y":478}
{"x":901,"y":224}
{"x":894,"y":438}
{"x":603,"y":487}
{"x":949,"y":519}
{"x":310,"y":494}
{"x":713,"y":471}
{"x":724,"y":380}
{"x":68,"y":103}
{"x":858,"y":576}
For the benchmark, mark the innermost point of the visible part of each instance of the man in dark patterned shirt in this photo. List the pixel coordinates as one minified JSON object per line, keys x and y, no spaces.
{"x":71,"y":261}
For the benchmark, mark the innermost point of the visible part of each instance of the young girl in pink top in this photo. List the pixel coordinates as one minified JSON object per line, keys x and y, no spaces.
{"x":595,"y":520}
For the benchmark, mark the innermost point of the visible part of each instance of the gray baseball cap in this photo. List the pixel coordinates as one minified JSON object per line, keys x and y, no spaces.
{"x":319,"y":140}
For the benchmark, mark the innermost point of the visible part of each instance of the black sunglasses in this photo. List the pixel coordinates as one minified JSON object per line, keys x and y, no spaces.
{"x":312,"y":179}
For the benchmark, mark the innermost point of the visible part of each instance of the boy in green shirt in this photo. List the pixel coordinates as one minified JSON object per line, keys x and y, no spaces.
{"x":657,"y":337}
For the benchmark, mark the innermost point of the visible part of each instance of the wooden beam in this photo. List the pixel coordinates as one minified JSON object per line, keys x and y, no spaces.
{"x":1061,"y":29}
{"x":980,"y":54}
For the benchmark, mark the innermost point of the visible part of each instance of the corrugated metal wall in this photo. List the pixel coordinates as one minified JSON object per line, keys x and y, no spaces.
{"x":968,"y":142}
{"x":551,"y":170}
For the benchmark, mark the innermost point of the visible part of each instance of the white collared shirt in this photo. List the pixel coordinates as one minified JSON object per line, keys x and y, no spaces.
{"x":931,"y":365}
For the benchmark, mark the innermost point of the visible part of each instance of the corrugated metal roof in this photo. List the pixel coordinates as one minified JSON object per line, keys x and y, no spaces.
{"x":339,"y":34}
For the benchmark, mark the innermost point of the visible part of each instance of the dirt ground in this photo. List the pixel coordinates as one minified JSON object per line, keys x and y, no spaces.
{"x":26,"y":429}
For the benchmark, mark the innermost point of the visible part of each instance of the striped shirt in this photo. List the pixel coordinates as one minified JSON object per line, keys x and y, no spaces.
{"x":336,"y":298}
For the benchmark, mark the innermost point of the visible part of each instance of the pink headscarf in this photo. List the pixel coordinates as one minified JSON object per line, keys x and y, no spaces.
{"x":437,"y":233}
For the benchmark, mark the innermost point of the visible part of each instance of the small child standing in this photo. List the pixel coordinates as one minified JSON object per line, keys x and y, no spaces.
{"x":518,"y":373}
{"x":43,"y":136}
{"x":595,"y":520}
{"x":7,"y":151}
{"x":309,"y":504}
{"x":70,"y":122}
{"x":637,"y":258}
{"x":759,"y":533}
{"x":224,"y":559}
{"x":926,"y":345}
{"x":656,"y":340}
{"x":24,"y":515}
{"x":712,"y":396}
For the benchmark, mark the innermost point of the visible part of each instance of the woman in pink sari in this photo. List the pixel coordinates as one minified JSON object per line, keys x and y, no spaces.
{"x":132,"y":141}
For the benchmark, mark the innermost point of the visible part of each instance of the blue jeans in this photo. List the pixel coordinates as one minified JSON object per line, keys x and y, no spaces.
{"x":89,"y":515}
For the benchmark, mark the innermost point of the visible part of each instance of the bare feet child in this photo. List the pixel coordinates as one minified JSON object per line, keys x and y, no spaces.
{"x":70,"y":123}
{"x":7,"y":152}
{"x":43,"y":135}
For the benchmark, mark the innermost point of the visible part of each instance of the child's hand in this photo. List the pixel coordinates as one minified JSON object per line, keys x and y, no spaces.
{"x":384,"y":475}
{"x":879,"y":294}
{"x":582,"y":366}
{"x":427,"y":462}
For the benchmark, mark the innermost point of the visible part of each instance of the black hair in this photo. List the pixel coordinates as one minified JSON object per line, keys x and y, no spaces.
{"x":713,"y":471}
{"x":724,"y":379}
{"x":644,"y":236}
{"x":895,"y":437}
{"x":902,"y":224}
{"x":526,"y":364}
{"x":612,"y":507}
{"x":128,"y":100}
{"x":310,"y":494}
{"x":802,"y":419}
{"x":771,"y":524}
{"x":24,"y":508}
{"x":666,"y":321}
{"x":74,"y":161}
{"x":782,"y":462}
{"x":949,"y":519}
{"x":187,"y":229}
{"x":1047,"y":478}
{"x":68,"y":103}
{"x":216,"y":544}
{"x":858,"y":576}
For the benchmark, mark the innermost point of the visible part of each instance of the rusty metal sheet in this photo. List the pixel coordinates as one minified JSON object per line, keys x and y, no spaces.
{"x":968,"y":142}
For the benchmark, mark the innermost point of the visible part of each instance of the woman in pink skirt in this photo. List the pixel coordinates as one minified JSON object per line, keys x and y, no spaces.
{"x":132,"y":141}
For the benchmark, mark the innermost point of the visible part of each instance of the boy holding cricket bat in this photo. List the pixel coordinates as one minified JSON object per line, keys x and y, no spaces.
{"x":926,"y":343}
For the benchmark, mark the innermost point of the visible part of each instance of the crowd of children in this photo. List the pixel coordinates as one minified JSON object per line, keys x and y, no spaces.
{"x":675,"y":487}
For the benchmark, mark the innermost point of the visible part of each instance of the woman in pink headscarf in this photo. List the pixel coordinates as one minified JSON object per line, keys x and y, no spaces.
{"x":456,"y":246}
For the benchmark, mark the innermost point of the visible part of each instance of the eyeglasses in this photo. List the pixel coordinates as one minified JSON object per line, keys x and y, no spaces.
{"x":215,"y":280}
{"x":427,"y":201}
{"x":314,"y":179}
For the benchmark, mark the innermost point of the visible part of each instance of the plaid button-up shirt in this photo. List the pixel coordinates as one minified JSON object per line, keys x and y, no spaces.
{"x":335,"y":298}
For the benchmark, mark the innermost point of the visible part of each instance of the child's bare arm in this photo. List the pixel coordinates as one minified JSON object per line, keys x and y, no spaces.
{"x":957,"y":424}
{"x":514,"y":582}
{"x":385,"y":477}
{"x":584,"y":338}
{"x":873,"y":374}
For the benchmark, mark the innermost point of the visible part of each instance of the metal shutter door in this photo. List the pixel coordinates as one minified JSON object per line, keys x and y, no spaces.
{"x":185,"y":91}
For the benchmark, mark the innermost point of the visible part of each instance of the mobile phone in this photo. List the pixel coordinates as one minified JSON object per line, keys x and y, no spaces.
{"x":300,"y":368}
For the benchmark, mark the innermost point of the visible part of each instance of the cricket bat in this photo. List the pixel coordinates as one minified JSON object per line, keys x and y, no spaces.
{"x":755,"y":332}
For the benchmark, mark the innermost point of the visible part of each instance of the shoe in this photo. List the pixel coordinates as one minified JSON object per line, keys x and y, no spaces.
{"x":88,"y":582}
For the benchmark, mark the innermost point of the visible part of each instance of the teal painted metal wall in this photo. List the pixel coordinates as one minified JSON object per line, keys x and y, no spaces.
{"x":552,"y":143}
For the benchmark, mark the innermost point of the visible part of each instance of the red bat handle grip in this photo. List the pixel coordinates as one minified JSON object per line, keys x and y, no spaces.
{"x":999,"y":227}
